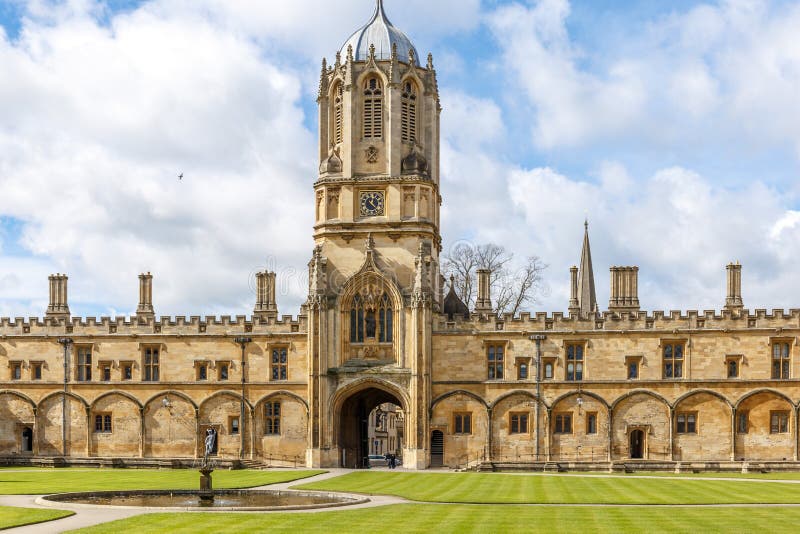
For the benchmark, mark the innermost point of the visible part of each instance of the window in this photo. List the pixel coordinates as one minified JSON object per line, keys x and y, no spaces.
{"x":522,"y":370}
{"x":686,"y":423}
{"x":494,"y":357}
{"x":732,"y":367}
{"x":408,"y":120}
{"x":222,"y":371}
{"x":202,"y":371}
{"x":632,"y":364}
{"x":591,"y":423}
{"x":16,"y":370}
{"x":778,"y":422}
{"x":127,"y":371}
{"x":519,"y":423}
{"x":84,"y":364}
{"x":373,"y":109}
{"x":272,"y":418}
{"x":279,"y":363}
{"x":462,"y":423}
{"x":102,"y":423}
{"x":36,"y":370}
{"x":338,"y":114}
{"x":563,"y":423}
{"x":233,"y":425}
{"x":780,"y":360}
{"x":105,"y":372}
{"x":151,"y":364}
{"x":673,"y":359}
{"x":741,"y":422}
{"x":372,"y":323}
{"x":548,"y":369}
{"x":575,"y":362}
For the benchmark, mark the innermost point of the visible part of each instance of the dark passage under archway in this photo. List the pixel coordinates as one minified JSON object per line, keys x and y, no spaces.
{"x":354,"y":425}
{"x":27,"y":440}
{"x":637,"y":444}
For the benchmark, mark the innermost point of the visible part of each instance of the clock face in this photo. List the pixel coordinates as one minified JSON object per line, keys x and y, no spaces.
{"x":371,"y":203}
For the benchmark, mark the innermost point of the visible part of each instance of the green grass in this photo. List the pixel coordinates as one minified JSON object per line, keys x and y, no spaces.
{"x":39,"y":481}
{"x":509,"y":489}
{"x":16,"y":517}
{"x":465,"y":518}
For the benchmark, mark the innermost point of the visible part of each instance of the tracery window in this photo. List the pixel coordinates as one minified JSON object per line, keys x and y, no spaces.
{"x":338,"y":114}
{"x":272,"y":418}
{"x":408,"y":116}
{"x":673,"y":360}
{"x":373,"y":109}
{"x":370,"y":320}
{"x":781,"y":360}
{"x":574,"y":362}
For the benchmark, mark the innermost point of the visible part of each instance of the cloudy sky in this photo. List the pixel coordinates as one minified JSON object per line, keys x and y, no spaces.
{"x":674,"y":125}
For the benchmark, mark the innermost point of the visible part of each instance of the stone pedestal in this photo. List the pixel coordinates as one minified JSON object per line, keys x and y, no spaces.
{"x":206,"y":487}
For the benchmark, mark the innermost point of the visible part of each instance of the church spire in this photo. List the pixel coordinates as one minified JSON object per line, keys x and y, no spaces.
{"x":587,"y":299}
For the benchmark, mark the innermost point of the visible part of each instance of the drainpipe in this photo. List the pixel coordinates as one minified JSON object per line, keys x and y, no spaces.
{"x":242,"y":341}
{"x":538,"y":339}
{"x":66,"y":342}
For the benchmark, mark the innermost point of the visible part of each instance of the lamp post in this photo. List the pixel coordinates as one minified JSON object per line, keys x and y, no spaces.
{"x":66,"y":342}
{"x":538,"y":339}
{"x":242,"y":341}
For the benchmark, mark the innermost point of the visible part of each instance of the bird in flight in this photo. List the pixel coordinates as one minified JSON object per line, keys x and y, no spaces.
{"x":180,"y":176}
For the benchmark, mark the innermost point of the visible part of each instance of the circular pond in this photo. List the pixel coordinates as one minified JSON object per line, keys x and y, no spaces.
{"x":223,"y":499}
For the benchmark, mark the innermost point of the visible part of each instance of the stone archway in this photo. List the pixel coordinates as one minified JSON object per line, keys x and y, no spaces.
{"x":353,"y":424}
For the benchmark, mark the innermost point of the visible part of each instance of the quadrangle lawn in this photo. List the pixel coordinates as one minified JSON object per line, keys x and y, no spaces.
{"x":41,"y":481}
{"x":487,"y":488}
{"x":16,"y":517}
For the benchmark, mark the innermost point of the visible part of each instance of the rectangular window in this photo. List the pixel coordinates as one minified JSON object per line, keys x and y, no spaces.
{"x":105,"y":372}
{"x":632,"y":364}
{"x":780,"y":360}
{"x":673,"y":359}
{"x":686,"y":423}
{"x":518,"y":423}
{"x":522,"y":369}
{"x":272,"y":418}
{"x":36,"y":371}
{"x":462,"y":423}
{"x":16,"y":370}
{"x":222,"y":371}
{"x":741,"y":422}
{"x":548,"y":373}
{"x":494,"y":359}
{"x":591,"y":423}
{"x":233,"y":425}
{"x":84,"y":364}
{"x":732,"y":366}
{"x":202,"y":371}
{"x":151,"y":364}
{"x":574,"y":362}
{"x":279,"y":364}
{"x":102,"y":423}
{"x":778,"y":422}
{"x":563,"y":423}
{"x":127,"y":371}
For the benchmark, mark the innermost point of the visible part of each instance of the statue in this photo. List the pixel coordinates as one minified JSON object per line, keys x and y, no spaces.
{"x":206,"y":488}
{"x":370,"y":324}
{"x":211,"y":438}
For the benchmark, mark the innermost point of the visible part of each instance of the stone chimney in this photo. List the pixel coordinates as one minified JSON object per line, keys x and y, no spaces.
{"x":733,"y":301}
{"x":574,"y":306}
{"x":266,"y":306}
{"x":483,"y":304}
{"x":624,"y":289}
{"x":59,"y":307}
{"x":145,"y":308}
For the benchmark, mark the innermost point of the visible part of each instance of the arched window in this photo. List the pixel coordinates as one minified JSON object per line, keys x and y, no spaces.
{"x":371,"y":322}
{"x":373,"y":109}
{"x":408,"y":119}
{"x":338,"y":114}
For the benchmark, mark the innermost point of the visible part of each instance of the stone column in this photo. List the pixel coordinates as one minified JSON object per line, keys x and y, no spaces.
{"x":733,"y":301}
{"x":574,"y":306}
{"x":145,"y":308}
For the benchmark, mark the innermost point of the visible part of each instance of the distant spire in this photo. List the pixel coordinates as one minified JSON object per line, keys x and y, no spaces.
{"x":587,"y":298}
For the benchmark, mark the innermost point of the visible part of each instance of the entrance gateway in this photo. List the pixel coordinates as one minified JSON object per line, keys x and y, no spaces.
{"x":354,"y":425}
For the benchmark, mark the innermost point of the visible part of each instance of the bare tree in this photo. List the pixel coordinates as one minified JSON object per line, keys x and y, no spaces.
{"x":512,"y":287}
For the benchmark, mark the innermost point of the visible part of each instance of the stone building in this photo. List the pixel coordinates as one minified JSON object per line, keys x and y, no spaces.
{"x":586,"y":387}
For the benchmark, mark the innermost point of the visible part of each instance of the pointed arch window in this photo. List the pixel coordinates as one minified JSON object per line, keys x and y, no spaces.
{"x":372,"y":321}
{"x":338,"y":114}
{"x":408,"y":116}
{"x":373,"y":109}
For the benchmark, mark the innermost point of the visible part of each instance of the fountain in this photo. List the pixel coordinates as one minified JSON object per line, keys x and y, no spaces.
{"x":206,"y":468}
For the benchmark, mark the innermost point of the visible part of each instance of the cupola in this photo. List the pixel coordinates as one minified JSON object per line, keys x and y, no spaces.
{"x":383,"y":35}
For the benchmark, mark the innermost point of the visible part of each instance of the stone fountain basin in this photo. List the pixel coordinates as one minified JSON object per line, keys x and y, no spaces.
{"x":189,"y":500}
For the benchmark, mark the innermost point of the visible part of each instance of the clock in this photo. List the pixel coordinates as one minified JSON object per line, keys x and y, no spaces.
{"x":372,"y":203}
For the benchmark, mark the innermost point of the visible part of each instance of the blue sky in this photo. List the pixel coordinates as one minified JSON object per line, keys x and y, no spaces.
{"x":673,"y":125}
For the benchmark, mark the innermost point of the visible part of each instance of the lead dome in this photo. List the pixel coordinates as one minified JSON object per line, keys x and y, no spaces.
{"x":380,"y":32}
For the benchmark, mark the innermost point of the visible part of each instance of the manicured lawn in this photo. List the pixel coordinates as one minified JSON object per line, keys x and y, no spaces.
{"x":39,"y":481}
{"x":505,"y":488}
{"x":470,"y":518}
{"x":17,"y":517}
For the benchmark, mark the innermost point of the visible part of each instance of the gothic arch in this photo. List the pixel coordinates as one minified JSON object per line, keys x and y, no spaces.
{"x":339,"y":397}
{"x":595,"y":396}
{"x":372,"y":72}
{"x":764,"y":390}
{"x":510,"y":394}
{"x":281,"y":393}
{"x":180,"y":394}
{"x":630,"y":394}
{"x":456,"y":392}
{"x":68,"y":394}
{"x":121,"y":394}
{"x":226,"y":392}
{"x":699,"y":391}
{"x":20,"y":395}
